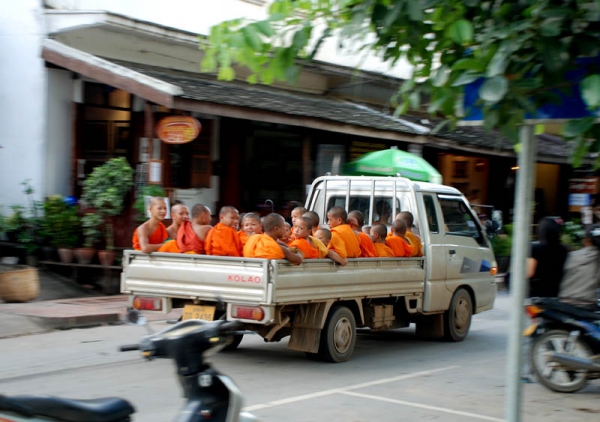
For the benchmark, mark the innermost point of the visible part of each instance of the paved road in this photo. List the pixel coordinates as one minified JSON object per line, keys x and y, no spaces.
{"x":393,"y":376}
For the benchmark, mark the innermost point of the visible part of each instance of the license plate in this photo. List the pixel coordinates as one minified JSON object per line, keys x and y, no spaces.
{"x":206,"y":313}
{"x":530,"y":330}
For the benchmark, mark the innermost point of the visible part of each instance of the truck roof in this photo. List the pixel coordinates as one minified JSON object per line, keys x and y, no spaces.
{"x":383,"y":183}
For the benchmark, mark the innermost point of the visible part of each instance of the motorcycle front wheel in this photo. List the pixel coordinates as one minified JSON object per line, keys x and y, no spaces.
{"x":554,"y":375}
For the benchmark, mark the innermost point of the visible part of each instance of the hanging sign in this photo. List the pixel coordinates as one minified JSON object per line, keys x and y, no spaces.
{"x":178,"y":129}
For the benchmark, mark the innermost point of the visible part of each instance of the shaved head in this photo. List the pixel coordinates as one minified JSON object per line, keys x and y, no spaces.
{"x":380,"y":229}
{"x":407,"y":217}
{"x":272,"y":221}
{"x":227,"y":209}
{"x":250,"y":216}
{"x":338,"y":212}
{"x":157,"y":200}
{"x":200,"y":209}
{"x":399,"y":226}
{"x":358,"y":216}
{"x":314,"y":217}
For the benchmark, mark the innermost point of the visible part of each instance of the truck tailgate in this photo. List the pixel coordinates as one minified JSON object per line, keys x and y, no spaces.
{"x":202,"y":277}
{"x":320,"y":279}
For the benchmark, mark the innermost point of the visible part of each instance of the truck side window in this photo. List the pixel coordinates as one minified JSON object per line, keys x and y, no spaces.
{"x":431,"y":214}
{"x":458,"y":219}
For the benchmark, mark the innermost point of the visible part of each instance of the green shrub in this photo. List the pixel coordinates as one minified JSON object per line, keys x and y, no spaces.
{"x":61,"y":225}
{"x":502,"y":243}
{"x":140,"y":205}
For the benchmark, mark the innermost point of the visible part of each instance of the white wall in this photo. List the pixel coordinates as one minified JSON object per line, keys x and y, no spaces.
{"x":59,"y":140}
{"x":22,"y":100}
{"x":199,"y":15}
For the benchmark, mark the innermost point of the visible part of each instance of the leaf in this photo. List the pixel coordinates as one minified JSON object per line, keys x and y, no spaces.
{"x":461,"y":31}
{"x":264,"y":27}
{"x":252,"y":79}
{"x":494,"y":89}
{"x":391,"y":16}
{"x":491,"y":118}
{"x":415,"y":13}
{"x":577,"y":127}
{"x":466,"y":78}
{"x":551,"y":27}
{"x":498,"y":63}
{"x":441,"y":76}
{"x":539,"y":129}
{"x":469,"y":64}
{"x":226,"y":73}
{"x":252,"y":37}
{"x":590,"y":91}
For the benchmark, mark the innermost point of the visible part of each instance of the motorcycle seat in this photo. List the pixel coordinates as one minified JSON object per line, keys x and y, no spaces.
{"x":108,"y":409}
{"x":568,"y":309}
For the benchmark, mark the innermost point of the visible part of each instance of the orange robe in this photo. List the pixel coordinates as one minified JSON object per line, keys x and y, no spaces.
{"x":243,"y":237}
{"x":187,"y":239}
{"x":415,"y":242}
{"x":263,"y":246}
{"x":156,"y":238}
{"x":320,"y":247}
{"x":223,"y":240}
{"x":169,"y":246}
{"x":399,"y":247}
{"x":383,"y":251}
{"x":304,"y":246}
{"x":367,"y":249}
{"x":344,"y":241}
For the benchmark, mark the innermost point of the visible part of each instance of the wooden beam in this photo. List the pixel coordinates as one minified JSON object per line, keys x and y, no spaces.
{"x":93,"y":72}
{"x":291,"y":120}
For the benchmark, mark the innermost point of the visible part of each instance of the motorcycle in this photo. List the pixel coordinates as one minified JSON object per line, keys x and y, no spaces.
{"x":565,"y":347}
{"x":210,"y":394}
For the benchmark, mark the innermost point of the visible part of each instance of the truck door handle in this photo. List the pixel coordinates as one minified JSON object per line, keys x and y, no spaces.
{"x":452,"y":252}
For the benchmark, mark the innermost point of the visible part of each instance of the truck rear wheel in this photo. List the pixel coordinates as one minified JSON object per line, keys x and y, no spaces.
{"x":457,"y":319}
{"x":338,"y":336}
{"x":235,"y":342}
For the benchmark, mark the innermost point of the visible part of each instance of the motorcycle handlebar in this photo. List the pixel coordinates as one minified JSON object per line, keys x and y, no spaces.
{"x":129,"y":347}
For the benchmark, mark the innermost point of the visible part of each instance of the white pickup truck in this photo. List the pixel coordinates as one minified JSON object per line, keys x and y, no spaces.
{"x":318,"y":303}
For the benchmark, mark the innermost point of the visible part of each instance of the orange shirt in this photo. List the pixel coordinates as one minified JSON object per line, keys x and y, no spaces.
{"x":383,"y":251}
{"x":367,"y":249}
{"x":263,"y":246}
{"x":304,"y":246}
{"x":188,"y":240}
{"x":415,"y":242}
{"x":344,"y":241}
{"x":399,"y":247}
{"x":223,"y":240}
{"x":169,"y":246}
{"x":156,"y":238}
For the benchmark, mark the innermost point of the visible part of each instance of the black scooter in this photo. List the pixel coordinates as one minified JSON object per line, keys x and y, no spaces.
{"x":210,"y":394}
{"x":565,"y":348}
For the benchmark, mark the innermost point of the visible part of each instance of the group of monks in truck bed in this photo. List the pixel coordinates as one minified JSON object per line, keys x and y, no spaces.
{"x":271,"y":237}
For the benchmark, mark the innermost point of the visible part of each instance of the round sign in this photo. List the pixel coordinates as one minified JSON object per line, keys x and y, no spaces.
{"x":178,"y":129}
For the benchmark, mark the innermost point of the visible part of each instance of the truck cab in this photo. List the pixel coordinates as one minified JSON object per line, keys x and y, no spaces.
{"x":454,"y":240}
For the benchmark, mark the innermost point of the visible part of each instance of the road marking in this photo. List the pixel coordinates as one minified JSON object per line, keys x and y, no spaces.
{"x":348,"y":388}
{"x":423,"y":406}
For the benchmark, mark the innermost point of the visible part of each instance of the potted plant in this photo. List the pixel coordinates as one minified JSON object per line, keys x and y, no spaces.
{"x":23,"y":225}
{"x":104,"y":190}
{"x":92,"y":234}
{"x":61,"y":226}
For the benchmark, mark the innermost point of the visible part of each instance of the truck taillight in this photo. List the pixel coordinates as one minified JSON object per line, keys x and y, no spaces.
{"x":147,"y":303}
{"x":247,"y":312}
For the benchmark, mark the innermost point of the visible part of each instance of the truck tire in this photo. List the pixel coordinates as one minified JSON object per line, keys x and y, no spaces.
{"x":338,"y":336}
{"x":457,"y":319}
{"x":235,"y":342}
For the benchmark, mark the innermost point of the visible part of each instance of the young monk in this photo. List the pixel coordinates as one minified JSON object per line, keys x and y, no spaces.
{"x":378,"y":234}
{"x":315,"y":220}
{"x":179,"y":214}
{"x":251,"y":225}
{"x":308,"y":244}
{"x":356,"y":220}
{"x":269,"y":244}
{"x":191,"y":235}
{"x":397,"y":241}
{"x":343,"y":239}
{"x":288,"y":235}
{"x":150,"y":236}
{"x":222,"y":239}
{"x":413,"y":239}
{"x":297,"y":213}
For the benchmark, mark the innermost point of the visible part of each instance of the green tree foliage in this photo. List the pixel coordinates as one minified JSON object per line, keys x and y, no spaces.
{"x":521,"y":49}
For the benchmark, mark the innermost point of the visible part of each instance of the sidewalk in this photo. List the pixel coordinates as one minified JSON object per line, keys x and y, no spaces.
{"x":64,"y":304}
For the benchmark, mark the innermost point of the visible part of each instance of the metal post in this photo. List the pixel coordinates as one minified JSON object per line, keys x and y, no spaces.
{"x":520,"y":252}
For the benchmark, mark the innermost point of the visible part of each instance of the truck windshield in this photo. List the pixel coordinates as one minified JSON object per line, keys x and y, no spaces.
{"x":459,"y":219}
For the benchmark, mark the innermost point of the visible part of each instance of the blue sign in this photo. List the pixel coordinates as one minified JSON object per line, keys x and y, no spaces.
{"x":570,"y":105}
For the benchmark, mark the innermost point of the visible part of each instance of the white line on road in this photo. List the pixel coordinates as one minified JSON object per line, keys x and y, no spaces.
{"x":348,"y":388}
{"x":423,"y":406}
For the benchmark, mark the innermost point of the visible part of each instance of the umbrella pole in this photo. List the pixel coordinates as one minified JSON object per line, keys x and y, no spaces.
{"x":520,"y":252}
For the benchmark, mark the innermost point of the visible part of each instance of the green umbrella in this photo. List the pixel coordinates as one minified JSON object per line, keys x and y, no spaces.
{"x":390,"y":162}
